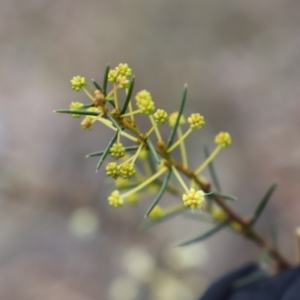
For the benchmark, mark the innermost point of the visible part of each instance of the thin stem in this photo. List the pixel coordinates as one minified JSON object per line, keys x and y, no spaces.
{"x":182,"y":148}
{"x":179,"y":178}
{"x":109,"y":125}
{"x":148,"y":133}
{"x":157,"y":132}
{"x":91,"y":87}
{"x":116,"y":96}
{"x":137,"y":153}
{"x":208,"y":160}
{"x":87,"y":93}
{"x":131,"y":113}
{"x":184,"y":136}
{"x":145,"y":183}
{"x":119,"y":137}
{"x":106,"y":123}
{"x":109,"y":94}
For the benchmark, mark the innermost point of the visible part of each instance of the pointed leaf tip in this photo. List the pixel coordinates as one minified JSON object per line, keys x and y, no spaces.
{"x":160,"y":193}
{"x":181,"y":108}
{"x":205,"y":235}
{"x":263,"y":203}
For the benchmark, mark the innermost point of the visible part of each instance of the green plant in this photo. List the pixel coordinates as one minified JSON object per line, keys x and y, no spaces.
{"x":147,"y":165}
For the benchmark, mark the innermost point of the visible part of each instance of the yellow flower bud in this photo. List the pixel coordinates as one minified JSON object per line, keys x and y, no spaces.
{"x":144,"y":102}
{"x":193,"y":198}
{"x":77,"y":82}
{"x":160,"y":116}
{"x":223,"y":139}
{"x":196,"y":121}
{"x":115,"y":199}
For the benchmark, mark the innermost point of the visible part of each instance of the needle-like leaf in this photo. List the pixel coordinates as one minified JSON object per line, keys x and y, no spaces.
{"x":97,"y":86}
{"x":87,"y":105}
{"x":106,"y":151}
{"x":111,"y":118}
{"x":77,"y":112}
{"x":105,"y":79}
{"x":212,"y":169}
{"x":160,"y":193}
{"x":174,"y":129}
{"x":225,"y":196}
{"x":93,"y":154}
{"x":128,"y":97}
{"x":262,"y":204}
{"x":153,"y":151}
{"x":204,"y":236}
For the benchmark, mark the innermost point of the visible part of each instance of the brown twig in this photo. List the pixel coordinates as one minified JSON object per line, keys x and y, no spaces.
{"x":247,"y":231}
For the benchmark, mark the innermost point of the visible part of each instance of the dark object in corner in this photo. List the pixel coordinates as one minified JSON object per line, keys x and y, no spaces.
{"x":285,"y":286}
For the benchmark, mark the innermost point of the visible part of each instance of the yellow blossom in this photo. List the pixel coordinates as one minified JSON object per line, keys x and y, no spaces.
{"x":144,"y":102}
{"x":193,"y":198}
{"x":115,"y":199}
{"x":77,"y":82}
{"x":223,"y":139}
{"x":196,"y":121}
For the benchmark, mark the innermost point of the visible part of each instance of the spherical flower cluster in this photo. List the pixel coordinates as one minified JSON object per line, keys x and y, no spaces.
{"x":112,"y":76}
{"x":193,"y":198}
{"x":223,"y":139}
{"x":196,"y":121}
{"x":126,"y":170}
{"x":76,"y":106}
{"x":87,"y":123}
{"x":156,"y":213}
{"x":123,"y":82}
{"x":173,"y":118}
{"x":112,"y":169}
{"x":115,"y":199}
{"x":160,"y":116}
{"x":119,"y":74}
{"x":124,"y":70}
{"x":219,"y":214}
{"x":77,"y":82}
{"x":144,"y":102}
{"x":117,"y":150}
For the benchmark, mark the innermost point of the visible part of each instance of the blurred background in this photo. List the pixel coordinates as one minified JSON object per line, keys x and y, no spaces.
{"x":59,"y":239}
